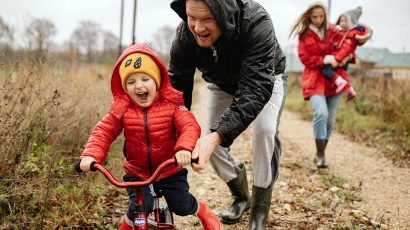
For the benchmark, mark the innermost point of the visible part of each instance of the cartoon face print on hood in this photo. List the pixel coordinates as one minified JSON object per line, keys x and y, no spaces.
{"x":226,"y":14}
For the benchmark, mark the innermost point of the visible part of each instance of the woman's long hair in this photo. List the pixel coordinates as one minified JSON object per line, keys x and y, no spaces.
{"x":302,"y":24}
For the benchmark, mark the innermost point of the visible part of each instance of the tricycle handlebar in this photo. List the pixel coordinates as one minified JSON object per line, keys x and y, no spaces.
{"x":95,"y":166}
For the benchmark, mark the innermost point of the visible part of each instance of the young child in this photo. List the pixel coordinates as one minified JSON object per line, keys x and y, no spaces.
{"x":157,"y":126}
{"x":345,"y":42}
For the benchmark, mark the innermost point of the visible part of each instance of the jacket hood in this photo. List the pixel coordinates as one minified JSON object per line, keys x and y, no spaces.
{"x":352,"y":17}
{"x":226,"y":13}
{"x":166,"y":91}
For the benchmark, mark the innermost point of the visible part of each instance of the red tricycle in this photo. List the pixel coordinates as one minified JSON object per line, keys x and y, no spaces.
{"x":163,"y":218}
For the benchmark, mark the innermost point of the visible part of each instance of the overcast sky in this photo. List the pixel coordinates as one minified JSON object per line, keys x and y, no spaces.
{"x":390,"y":19}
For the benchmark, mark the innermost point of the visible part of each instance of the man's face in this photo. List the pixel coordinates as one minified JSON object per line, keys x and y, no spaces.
{"x":202,"y":23}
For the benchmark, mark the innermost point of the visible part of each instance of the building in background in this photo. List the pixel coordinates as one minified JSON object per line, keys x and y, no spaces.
{"x":383,"y":63}
{"x":372,"y":62}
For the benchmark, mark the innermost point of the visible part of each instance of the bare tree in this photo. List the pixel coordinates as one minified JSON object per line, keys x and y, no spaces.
{"x":6,"y":38}
{"x":73,"y":44}
{"x":86,"y":38}
{"x":6,"y":33}
{"x":110,"y":42}
{"x":162,"y":41}
{"x":39,"y":33}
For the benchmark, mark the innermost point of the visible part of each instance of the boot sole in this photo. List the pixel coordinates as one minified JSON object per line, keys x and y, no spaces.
{"x":319,"y":166}
{"x":229,"y":222}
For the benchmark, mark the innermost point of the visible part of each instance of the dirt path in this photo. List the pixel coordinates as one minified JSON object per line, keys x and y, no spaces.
{"x":361,"y":189}
{"x":385,"y":188}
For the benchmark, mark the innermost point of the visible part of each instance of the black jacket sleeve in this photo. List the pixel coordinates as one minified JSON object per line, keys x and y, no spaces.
{"x":182,"y":64}
{"x":261,"y":56}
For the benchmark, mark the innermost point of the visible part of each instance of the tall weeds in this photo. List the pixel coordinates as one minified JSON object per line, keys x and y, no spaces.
{"x":46,"y":114}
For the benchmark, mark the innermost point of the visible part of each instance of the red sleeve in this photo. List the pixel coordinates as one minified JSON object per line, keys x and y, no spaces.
{"x":306,"y":56}
{"x":104,"y":133}
{"x":187,"y":128}
{"x":354,"y":59}
{"x":366,"y":35}
{"x":348,"y":47}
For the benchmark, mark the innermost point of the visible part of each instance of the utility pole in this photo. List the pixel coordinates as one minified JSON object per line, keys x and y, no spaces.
{"x":134,"y":39}
{"x":329,"y":4}
{"x":121,"y":22}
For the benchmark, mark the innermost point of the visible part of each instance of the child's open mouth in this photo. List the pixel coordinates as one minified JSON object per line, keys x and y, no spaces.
{"x":143,"y":96}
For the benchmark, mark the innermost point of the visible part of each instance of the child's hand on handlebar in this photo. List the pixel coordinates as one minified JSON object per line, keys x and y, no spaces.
{"x":85,"y":163}
{"x":183,"y":157}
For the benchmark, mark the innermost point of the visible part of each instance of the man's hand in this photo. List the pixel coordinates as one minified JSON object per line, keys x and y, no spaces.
{"x":203,"y":150}
{"x":85,"y":163}
{"x":183,"y":157}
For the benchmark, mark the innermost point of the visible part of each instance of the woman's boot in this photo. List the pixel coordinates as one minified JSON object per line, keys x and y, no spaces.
{"x":320,"y":153}
{"x":240,"y":193}
{"x":260,"y":205}
{"x":208,"y":219}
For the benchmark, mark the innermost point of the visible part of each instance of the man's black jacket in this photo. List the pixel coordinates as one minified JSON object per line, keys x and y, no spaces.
{"x":242,"y":62}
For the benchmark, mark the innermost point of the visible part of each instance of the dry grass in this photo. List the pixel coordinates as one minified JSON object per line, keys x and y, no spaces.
{"x":379,"y":117}
{"x":46,"y":114}
{"x":48,"y":109}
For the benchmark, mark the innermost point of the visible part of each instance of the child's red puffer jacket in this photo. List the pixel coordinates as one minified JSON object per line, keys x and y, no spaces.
{"x":153,"y":134}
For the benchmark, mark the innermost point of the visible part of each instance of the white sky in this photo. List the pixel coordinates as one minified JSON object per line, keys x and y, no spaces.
{"x":390,"y":19}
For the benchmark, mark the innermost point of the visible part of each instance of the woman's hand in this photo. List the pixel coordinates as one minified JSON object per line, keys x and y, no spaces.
{"x":85,"y":163}
{"x":346,"y":60}
{"x":334,"y":64}
{"x":183,"y":157}
{"x":330,"y":59}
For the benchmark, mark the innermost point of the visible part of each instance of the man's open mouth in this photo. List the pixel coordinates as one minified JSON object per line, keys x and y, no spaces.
{"x":204,"y":36}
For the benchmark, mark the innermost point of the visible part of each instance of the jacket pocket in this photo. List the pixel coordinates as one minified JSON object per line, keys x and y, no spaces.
{"x":309,"y":79}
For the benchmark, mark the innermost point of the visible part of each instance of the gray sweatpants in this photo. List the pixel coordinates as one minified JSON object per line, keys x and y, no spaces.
{"x":266,"y":147}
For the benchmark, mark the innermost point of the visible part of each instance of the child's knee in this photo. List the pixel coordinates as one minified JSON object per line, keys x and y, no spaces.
{"x":184,"y":208}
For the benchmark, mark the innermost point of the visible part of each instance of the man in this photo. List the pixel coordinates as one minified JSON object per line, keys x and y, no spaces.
{"x":233,"y":44}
